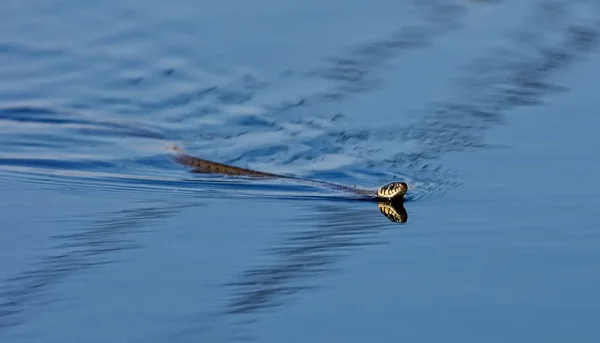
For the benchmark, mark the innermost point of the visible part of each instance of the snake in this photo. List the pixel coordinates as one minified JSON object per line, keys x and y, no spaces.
{"x":389,"y":197}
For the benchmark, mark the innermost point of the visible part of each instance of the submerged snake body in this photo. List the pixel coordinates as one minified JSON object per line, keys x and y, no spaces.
{"x":390,"y":197}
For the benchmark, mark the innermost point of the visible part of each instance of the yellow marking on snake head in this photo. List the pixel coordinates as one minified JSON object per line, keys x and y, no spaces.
{"x":393,"y":190}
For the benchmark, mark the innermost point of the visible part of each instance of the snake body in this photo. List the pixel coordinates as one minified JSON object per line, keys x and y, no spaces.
{"x":393,"y":191}
{"x":390,"y":197}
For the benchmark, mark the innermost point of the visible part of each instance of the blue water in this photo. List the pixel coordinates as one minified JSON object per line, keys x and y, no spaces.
{"x":486,"y":109}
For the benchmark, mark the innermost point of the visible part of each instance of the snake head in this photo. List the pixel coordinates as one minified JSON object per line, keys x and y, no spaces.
{"x":392,"y":191}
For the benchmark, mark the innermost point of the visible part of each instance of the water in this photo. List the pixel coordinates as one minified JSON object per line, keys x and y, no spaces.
{"x":486,"y":109}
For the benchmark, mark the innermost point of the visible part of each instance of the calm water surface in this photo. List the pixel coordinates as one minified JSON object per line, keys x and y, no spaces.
{"x":487,"y":110}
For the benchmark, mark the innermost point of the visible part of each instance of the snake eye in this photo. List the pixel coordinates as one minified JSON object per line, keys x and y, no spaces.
{"x":404,"y":186}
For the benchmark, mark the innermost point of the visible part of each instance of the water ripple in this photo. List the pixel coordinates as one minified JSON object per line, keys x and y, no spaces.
{"x":229,"y":117}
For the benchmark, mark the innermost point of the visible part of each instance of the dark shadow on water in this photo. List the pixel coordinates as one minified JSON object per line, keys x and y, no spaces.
{"x":77,"y":121}
{"x":305,"y":255}
{"x":96,"y":244}
{"x":355,"y":72}
{"x":298,"y":262}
